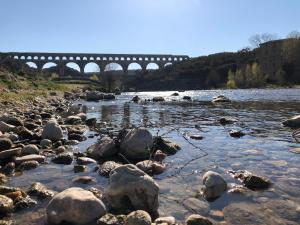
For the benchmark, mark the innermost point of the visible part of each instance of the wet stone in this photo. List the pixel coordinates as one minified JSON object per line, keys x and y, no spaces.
{"x":39,"y":190}
{"x":106,"y":167}
{"x":6,"y":205}
{"x":197,"y":219}
{"x":28,"y":165}
{"x":38,"y":158}
{"x":83,"y":179}
{"x":23,"y":203}
{"x":110,"y":219}
{"x":138,"y":217}
{"x":85,"y":160}
{"x":250,"y":180}
{"x":79,"y":168}
{"x":63,"y":158}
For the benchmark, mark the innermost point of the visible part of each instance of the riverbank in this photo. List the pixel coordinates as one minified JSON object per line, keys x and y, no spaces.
{"x":176,"y":180}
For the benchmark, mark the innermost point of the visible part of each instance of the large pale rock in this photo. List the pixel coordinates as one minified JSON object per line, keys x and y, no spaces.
{"x":38,"y":158}
{"x":132,"y":189}
{"x":76,"y":206}
{"x":52,"y":131}
{"x":138,"y":217}
{"x":136,"y":143}
{"x":292,"y":122}
{"x":214,"y":183}
{"x":103,"y":149}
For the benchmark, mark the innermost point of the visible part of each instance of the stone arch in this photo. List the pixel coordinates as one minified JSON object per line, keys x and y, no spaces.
{"x":32,"y":65}
{"x":49,"y":65}
{"x":113,"y":66}
{"x":168,"y":64}
{"x":134,"y":66}
{"x":16,"y":57}
{"x":73,"y":65}
{"x":92,"y":67}
{"x":23,"y":57}
{"x":152,"y":66}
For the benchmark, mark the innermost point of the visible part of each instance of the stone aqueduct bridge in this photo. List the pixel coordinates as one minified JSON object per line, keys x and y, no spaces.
{"x":102,"y":60}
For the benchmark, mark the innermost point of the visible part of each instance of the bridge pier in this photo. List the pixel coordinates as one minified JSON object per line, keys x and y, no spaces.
{"x":61,"y":69}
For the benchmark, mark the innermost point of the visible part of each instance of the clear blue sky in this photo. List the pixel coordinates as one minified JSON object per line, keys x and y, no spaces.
{"x":192,"y":27}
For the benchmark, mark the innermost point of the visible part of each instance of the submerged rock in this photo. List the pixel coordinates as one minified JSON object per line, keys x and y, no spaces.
{"x":137,"y":144}
{"x":74,"y":205}
{"x":39,"y":190}
{"x":220,"y":98}
{"x":83,"y":179}
{"x":166,"y":146}
{"x":250,"y":180}
{"x":158,"y":99}
{"x":63,"y":158}
{"x":130,"y":188}
{"x":293,"y":122}
{"x":28,"y":165}
{"x":214,"y":184}
{"x":136,"y":99}
{"x":138,"y":217}
{"x":236,"y":133}
{"x":24,"y":203}
{"x":151,"y":167}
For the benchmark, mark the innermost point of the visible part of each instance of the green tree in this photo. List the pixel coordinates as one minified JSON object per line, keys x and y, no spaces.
{"x":230,"y":81}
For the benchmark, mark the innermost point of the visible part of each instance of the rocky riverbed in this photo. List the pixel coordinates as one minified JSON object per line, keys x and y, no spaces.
{"x":142,"y":158}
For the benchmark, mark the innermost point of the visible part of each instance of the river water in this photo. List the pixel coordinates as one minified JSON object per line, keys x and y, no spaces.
{"x":265,"y":150}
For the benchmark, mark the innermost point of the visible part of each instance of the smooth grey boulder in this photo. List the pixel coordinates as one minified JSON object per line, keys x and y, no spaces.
{"x":131,"y":189}
{"x":214,"y":183}
{"x":30,"y":149}
{"x":137,"y":143}
{"x":76,"y":206}
{"x":46,"y":143}
{"x":52,"y":131}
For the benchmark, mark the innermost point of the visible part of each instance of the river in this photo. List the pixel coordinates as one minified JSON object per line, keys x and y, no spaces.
{"x":265,"y":150}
